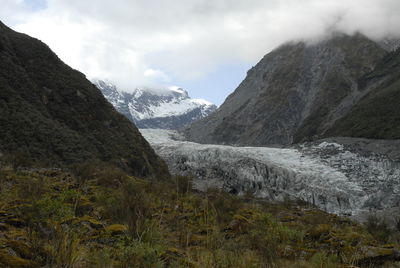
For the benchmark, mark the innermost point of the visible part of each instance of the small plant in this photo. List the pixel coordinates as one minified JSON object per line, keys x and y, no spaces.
{"x":64,"y":248}
{"x":183,"y":184}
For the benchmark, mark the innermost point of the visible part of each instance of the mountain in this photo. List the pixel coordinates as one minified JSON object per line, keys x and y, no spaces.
{"x":58,"y":117}
{"x":162,"y":108}
{"x":390,"y":44}
{"x":377,"y":114}
{"x":295,"y":93}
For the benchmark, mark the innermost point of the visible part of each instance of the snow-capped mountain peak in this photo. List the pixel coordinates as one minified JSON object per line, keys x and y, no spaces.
{"x":169,"y":108}
{"x":179,"y":90}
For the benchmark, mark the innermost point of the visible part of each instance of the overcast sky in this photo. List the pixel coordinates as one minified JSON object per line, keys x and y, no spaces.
{"x":205,"y":46}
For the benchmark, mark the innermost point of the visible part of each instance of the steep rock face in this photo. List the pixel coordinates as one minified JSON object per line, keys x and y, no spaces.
{"x":390,"y":44}
{"x":294,"y":93}
{"x":343,"y":175}
{"x":377,"y":114}
{"x":52,"y":112}
{"x":162,"y":108}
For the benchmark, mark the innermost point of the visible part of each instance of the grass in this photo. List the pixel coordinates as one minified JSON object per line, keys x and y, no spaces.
{"x":109,"y":219}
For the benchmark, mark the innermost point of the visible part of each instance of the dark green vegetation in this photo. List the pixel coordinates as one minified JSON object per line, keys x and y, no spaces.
{"x":53,"y":114}
{"x":377,"y":115}
{"x":105,"y":218}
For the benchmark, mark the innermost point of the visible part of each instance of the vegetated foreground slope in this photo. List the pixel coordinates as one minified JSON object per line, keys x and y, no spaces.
{"x":169,"y":108}
{"x":55,"y":114}
{"x":103,"y":218}
{"x":295,"y":93}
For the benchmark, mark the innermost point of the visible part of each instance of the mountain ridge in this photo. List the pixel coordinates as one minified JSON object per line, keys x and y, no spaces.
{"x":295,"y":93}
{"x":170,"y":108}
{"x":53,"y":113}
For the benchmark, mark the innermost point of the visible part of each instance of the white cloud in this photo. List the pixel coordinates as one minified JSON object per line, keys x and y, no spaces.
{"x":137,"y":42}
{"x":157,"y":75}
{"x":14,"y":11}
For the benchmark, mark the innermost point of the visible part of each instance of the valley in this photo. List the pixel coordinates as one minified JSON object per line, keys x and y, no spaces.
{"x":298,"y":168}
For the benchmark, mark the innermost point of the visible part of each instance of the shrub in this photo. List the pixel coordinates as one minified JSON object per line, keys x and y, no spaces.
{"x":133,"y":253}
{"x":265,"y":238}
{"x":64,"y":248}
{"x":397,"y":224}
{"x":183,"y":184}
{"x":84,"y":171}
{"x":110,"y":176}
{"x":224,"y":204}
{"x":128,"y":204}
{"x":45,"y":210}
{"x":378,"y":227}
{"x":100,"y":258}
{"x":17,"y":160}
{"x":31,"y":188}
{"x":3,"y":179}
{"x":2,"y":162}
{"x":322,"y":260}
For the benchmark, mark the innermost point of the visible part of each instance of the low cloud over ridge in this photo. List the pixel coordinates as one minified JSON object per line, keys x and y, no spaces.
{"x":136,"y":43}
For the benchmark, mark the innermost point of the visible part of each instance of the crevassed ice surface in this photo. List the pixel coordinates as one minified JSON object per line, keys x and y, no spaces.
{"x":326,"y":174}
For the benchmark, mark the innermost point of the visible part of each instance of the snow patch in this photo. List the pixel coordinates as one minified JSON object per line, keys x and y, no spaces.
{"x":169,"y":108}
{"x":160,"y":107}
{"x":177,"y":89}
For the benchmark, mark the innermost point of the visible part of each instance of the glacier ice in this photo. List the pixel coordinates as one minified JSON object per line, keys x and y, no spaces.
{"x":324,"y":174}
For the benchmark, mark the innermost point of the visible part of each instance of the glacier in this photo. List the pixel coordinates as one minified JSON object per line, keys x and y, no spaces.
{"x":337,"y":178}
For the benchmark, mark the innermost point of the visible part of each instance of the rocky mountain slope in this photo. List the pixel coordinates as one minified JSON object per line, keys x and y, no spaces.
{"x":390,"y":44}
{"x":377,"y":114}
{"x":343,"y":176}
{"x":163,"y":108}
{"x":54,"y":114}
{"x":297,"y":92}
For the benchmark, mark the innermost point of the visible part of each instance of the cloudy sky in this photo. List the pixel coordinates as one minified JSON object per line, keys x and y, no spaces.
{"x":205,"y":46}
